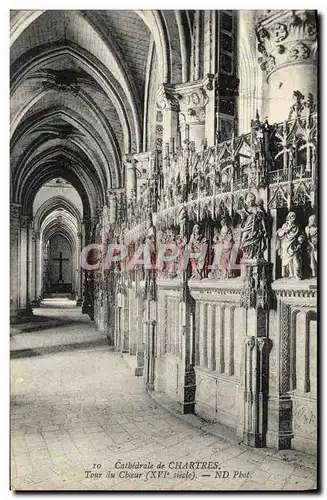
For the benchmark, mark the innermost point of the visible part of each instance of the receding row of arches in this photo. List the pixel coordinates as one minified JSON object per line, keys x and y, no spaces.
{"x":83,"y":93}
{"x":82,"y":96}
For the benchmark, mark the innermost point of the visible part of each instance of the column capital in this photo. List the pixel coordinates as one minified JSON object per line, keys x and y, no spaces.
{"x":15,"y":210}
{"x":129,"y":160}
{"x":167,"y":100}
{"x":189,"y":98}
{"x":25,"y":220}
{"x":193,"y":98}
{"x":286,"y":37}
{"x":35,"y":235}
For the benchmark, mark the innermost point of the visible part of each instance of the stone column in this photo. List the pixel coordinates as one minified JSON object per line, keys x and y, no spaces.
{"x":211,"y":337}
{"x":14,"y":259}
{"x":186,"y":391}
{"x":111,"y":297}
{"x":184,"y":111}
{"x":112,"y":204}
{"x":139,"y":329}
{"x":88,"y":230}
{"x":31,"y":266}
{"x":45,"y":268}
{"x":79,"y":280}
{"x":38,"y":267}
{"x":132,"y":330}
{"x":255,"y":299}
{"x":168,"y":103}
{"x":124,"y":322}
{"x":202,"y":335}
{"x":130,"y":170}
{"x":117,"y":333}
{"x":197,"y":46}
{"x":150,"y":328}
{"x":24,"y":265}
{"x":194,"y":98}
{"x":251,"y":77}
{"x":288,"y":48}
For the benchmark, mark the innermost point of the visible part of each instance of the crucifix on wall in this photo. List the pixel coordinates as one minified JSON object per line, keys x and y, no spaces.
{"x":60,"y":260}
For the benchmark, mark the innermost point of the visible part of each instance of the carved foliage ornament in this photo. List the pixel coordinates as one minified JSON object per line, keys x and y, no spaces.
{"x":167,"y":100}
{"x":279,"y":32}
{"x":293,"y":28}
{"x":300,"y":51}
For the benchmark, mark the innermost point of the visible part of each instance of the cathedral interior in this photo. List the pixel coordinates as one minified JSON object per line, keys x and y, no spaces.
{"x":137,"y":129}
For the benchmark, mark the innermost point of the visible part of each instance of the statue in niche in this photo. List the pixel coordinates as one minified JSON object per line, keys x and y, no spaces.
{"x":196,"y":247}
{"x":291,"y":240}
{"x":265,"y":222}
{"x":150,"y":241}
{"x":181,"y":243}
{"x":311,"y":232}
{"x":183,"y":222}
{"x":223,"y":239}
{"x":226,"y":241}
{"x":253,"y":229}
{"x":167,"y":267}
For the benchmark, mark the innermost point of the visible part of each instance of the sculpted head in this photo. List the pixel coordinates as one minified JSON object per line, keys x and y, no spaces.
{"x":291,"y":218}
{"x":312,"y":222}
{"x":183,"y":213}
{"x":260,"y":203}
{"x":250,"y":199}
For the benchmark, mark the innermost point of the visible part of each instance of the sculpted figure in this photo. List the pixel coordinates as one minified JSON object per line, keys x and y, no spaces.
{"x":181,"y":243}
{"x":227,"y":241}
{"x":253,"y":229}
{"x":291,"y":240}
{"x":312,"y":235}
{"x":183,"y":220}
{"x":196,"y":243}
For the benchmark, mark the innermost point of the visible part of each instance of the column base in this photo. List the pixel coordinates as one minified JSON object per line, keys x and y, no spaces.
{"x":111,"y":335}
{"x":254,"y":440}
{"x":21,"y":315}
{"x":280,"y":432}
{"x":188,"y":393}
{"x":188,"y":408}
{"x":125,"y":344}
{"x":280,"y":440}
{"x":35,"y":303}
{"x":139,"y":364}
{"x":87,"y":309}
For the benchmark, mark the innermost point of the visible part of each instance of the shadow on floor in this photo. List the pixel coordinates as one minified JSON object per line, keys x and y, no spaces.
{"x":47,"y":322}
{"x":54,"y":349}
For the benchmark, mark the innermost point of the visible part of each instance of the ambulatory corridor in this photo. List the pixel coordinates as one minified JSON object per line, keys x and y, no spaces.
{"x":80,"y":420}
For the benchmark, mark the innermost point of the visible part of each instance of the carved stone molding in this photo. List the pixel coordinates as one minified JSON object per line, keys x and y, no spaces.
{"x":167,"y":100}
{"x":285,"y":37}
{"x":190,"y":99}
{"x":256,"y":287}
{"x":15,"y":210}
{"x":300,"y":293}
{"x":25,"y":221}
{"x":223,"y":291}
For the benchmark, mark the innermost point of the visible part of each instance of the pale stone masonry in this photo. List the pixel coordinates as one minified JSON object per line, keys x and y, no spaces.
{"x":65,"y":420}
{"x":192,"y":129}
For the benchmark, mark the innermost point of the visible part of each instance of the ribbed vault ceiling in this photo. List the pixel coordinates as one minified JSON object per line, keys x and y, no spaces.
{"x":77,"y":95}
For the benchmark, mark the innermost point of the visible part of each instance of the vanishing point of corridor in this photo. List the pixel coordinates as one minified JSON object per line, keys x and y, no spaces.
{"x":81,"y":420}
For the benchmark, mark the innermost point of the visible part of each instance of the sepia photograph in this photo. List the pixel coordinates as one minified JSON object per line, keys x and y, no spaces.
{"x":164,"y":194}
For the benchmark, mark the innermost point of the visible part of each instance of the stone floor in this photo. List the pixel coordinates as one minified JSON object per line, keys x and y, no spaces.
{"x":78,"y":415}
